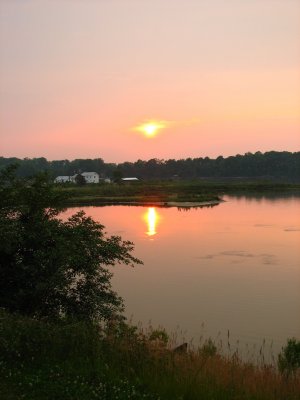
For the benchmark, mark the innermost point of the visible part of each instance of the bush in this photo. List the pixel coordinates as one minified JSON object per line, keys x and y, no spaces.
{"x":209,"y":348}
{"x":289,"y":358}
{"x":159,"y":335}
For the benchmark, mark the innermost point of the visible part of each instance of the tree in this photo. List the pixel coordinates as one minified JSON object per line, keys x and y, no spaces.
{"x":50,"y":266}
{"x":80,"y":180}
{"x":117,"y":175}
{"x":289,"y":358}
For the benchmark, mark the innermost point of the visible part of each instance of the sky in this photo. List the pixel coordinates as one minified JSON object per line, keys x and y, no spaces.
{"x":82,"y":78}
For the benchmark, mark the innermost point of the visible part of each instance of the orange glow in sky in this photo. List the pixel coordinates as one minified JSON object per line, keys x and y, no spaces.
{"x":84,"y":79}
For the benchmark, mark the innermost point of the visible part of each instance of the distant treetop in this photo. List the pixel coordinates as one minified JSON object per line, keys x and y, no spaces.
{"x":272,"y":164}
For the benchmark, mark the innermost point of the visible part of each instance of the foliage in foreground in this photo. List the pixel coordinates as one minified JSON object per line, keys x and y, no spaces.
{"x":51,"y":267}
{"x":289,"y":358}
{"x":76,"y":360}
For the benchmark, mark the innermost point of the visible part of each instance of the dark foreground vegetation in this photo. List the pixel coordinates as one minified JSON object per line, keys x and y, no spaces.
{"x":75,"y":359}
{"x":62,"y":332}
{"x":281,"y":166}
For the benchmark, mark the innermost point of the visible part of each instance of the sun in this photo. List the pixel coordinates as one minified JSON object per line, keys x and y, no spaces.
{"x":150,"y":129}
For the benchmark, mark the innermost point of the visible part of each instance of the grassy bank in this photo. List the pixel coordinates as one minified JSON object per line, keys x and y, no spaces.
{"x":75,"y":360}
{"x":142,"y":193}
{"x":152,"y":192}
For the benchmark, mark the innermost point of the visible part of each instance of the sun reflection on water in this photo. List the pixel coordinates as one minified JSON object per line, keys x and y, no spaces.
{"x":151,"y":218}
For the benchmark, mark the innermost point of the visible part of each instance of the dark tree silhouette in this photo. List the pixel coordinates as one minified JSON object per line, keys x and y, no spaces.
{"x":50,"y":267}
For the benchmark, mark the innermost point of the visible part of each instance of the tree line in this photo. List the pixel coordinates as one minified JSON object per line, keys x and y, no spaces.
{"x":272,"y":164}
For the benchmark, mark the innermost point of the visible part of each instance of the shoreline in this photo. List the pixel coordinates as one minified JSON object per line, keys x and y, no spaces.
{"x":140,"y":203}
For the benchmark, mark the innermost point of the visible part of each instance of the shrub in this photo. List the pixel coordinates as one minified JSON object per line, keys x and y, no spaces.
{"x":289,"y":358}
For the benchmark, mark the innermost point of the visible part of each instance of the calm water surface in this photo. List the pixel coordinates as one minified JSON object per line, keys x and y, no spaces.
{"x":235,"y":266}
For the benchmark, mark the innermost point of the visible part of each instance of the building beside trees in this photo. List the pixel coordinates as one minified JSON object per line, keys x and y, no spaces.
{"x":64,"y":179}
{"x":89,"y":177}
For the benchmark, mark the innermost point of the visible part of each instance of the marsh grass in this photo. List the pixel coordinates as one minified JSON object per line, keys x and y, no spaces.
{"x":75,"y":360}
{"x":164,"y":191}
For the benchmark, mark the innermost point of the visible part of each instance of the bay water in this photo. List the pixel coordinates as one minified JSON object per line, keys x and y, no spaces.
{"x":230,"y":272}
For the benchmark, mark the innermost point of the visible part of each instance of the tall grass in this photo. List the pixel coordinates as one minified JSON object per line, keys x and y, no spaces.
{"x":75,"y":360}
{"x":139,"y":192}
{"x":163,"y":191}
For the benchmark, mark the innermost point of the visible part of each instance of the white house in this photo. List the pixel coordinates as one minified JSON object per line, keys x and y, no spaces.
{"x":64,"y":179}
{"x":90,"y":177}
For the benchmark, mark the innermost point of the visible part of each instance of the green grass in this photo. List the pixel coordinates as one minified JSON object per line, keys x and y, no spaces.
{"x":67,"y":360}
{"x":138,"y":192}
{"x":166,"y":191}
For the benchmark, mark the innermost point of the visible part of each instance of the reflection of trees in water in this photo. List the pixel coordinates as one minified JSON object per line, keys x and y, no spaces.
{"x":272,"y":197}
{"x":188,"y":208}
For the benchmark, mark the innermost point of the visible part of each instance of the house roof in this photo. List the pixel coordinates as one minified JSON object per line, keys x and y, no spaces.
{"x":88,"y":173}
{"x":129,"y":179}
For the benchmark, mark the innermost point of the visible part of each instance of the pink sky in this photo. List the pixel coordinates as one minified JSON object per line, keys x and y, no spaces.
{"x":77,"y":77}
